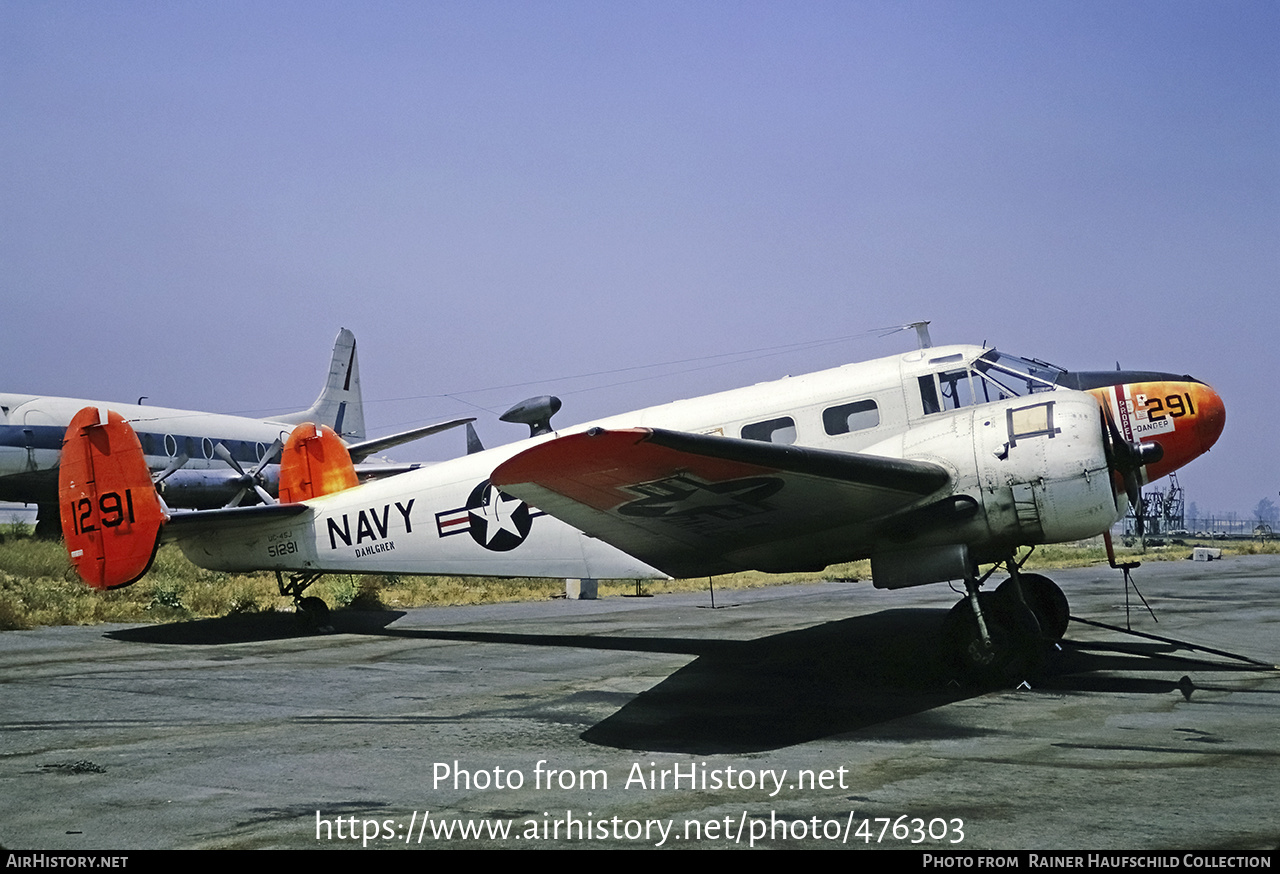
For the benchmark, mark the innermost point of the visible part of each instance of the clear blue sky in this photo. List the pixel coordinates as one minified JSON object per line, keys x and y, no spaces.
{"x":195,"y":197}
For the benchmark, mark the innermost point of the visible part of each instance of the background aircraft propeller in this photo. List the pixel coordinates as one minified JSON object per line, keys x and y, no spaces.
{"x":175,"y":464}
{"x":253,"y":479}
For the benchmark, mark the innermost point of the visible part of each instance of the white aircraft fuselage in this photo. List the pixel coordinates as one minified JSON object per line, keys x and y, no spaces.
{"x":1017,"y":459}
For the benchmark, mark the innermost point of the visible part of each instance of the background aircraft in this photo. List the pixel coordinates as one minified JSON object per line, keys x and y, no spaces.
{"x":930,"y":464}
{"x":201,"y":460}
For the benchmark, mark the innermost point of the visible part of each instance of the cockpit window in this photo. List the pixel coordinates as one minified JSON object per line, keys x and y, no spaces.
{"x":994,"y":376}
{"x":1017,"y":377}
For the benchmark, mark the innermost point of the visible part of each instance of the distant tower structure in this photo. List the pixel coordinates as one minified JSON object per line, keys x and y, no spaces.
{"x":1162,"y":511}
{"x":1174,"y":508}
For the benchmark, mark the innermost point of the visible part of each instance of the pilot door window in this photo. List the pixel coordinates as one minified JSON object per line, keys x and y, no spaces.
{"x":951,"y":390}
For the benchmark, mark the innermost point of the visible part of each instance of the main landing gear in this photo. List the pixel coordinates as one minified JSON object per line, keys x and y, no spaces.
{"x":1006,"y":634}
{"x":312,"y":611}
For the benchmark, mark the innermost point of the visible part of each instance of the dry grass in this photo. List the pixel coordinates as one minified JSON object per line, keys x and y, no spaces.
{"x":38,"y":587}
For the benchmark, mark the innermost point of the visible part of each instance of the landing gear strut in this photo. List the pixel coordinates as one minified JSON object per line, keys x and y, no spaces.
{"x":1006,"y":635}
{"x":313,"y":611}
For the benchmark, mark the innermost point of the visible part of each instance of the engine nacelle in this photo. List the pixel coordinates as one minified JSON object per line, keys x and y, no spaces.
{"x":211,"y":489}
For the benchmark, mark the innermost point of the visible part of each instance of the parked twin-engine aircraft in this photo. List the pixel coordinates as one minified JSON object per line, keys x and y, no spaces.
{"x":929,"y":463}
{"x":199,"y":458}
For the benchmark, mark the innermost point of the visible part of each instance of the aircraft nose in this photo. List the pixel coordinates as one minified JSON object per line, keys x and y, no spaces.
{"x":1180,"y":415}
{"x":1211,"y":418}
{"x":1185,"y":418}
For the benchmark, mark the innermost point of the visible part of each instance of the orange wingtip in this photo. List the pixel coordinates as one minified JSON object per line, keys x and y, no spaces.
{"x":111,"y":515}
{"x":595,"y":467}
{"x":314,"y":462}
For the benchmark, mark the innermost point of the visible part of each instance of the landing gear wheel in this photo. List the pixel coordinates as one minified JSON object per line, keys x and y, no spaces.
{"x":1045,"y":600}
{"x":1016,"y":650}
{"x":314,"y":613}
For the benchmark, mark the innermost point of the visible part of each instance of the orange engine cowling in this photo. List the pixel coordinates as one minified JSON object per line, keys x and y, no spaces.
{"x":1183,"y":417}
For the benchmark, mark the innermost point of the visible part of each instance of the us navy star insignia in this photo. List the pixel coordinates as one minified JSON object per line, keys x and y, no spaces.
{"x":494,"y":520}
{"x":496,"y":515}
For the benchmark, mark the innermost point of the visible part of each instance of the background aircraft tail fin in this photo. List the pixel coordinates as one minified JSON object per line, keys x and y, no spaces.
{"x":314,"y":462}
{"x":340,"y":405}
{"x":111,"y":514}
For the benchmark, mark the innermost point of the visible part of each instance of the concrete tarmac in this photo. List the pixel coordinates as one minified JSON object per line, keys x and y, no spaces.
{"x":811,"y":716}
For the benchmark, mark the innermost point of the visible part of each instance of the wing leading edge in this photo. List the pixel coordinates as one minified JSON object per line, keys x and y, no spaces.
{"x":693,"y":505}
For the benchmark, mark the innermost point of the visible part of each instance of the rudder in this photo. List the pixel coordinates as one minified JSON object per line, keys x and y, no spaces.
{"x":314,"y":462}
{"x":111,"y":514}
{"x":340,"y":404}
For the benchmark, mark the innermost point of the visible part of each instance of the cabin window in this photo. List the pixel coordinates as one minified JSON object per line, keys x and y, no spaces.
{"x":846,"y":418}
{"x":170,"y":446}
{"x":782,"y":430}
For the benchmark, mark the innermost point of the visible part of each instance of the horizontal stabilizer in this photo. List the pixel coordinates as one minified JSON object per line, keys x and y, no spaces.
{"x":693,"y":504}
{"x":204,"y":521}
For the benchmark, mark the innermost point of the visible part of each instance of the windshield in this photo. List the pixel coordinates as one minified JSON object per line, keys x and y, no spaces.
{"x":1015,"y":377}
{"x":994,"y":376}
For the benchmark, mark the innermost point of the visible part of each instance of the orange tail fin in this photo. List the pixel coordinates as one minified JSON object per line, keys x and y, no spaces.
{"x":111,"y":515}
{"x":314,"y":462}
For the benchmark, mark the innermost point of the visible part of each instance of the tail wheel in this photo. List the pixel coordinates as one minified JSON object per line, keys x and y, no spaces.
{"x":1045,"y":599}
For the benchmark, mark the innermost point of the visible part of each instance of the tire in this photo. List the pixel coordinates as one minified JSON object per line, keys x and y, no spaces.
{"x":1016,"y":652}
{"x":1045,"y":600}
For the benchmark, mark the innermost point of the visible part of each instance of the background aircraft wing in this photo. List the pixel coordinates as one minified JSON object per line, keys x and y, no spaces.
{"x":692,"y":505}
{"x":362,"y":450}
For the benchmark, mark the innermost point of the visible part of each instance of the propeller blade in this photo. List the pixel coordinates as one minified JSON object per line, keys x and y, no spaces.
{"x":252,"y":479}
{"x":1126,"y":458}
{"x":222,"y":453}
{"x":269,"y":457}
{"x":175,"y":464}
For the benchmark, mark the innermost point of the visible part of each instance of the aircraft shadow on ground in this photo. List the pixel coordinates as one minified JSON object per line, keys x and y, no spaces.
{"x":853,"y":675}
{"x":255,"y":628}
{"x":839,"y":677}
{"x":777,"y":691}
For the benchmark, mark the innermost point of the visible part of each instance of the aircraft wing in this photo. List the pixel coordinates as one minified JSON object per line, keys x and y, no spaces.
{"x":693,"y":505}
{"x":362,"y":450}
